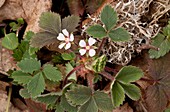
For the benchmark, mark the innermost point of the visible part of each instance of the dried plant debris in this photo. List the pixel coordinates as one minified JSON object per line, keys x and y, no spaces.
{"x":29,"y":10}
{"x":140,"y":19}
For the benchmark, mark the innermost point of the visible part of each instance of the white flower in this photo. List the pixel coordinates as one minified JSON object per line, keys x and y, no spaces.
{"x":87,"y":47}
{"x":67,"y":38}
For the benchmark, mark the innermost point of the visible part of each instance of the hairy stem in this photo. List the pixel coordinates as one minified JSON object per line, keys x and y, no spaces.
{"x":90,"y":79}
{"x":71,"y":72}
{"x":107,"y":75}
{"x":101,"y":46}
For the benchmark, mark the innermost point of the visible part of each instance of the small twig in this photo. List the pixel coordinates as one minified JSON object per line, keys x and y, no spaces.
{"x":71,"y":72}
{"x":101,"y":46}
{"x":107,"y":75}
{"x":9,"y":99}
{"x":147,"y":46}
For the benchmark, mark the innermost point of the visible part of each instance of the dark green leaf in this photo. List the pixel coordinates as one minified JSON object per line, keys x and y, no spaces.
{"x":117,"y":94}
{"x":21,"y":77}
{"x":119,"y":34}
{"x":129,"y":74}
{"x":68,"y":56}
{"x":42,"y":39}
{"x":24,"y":93}
{"x":66,"y":106}
{"x":37,"y":85}
{"x":162,"y":43}
{"x":29,"y":35}
{"x":79,"y":95}
{"x":52,"y":73}
{"x":96,"y":31}
{"x":70,"y":23}
{"x":103,"y":101}
{"x":108,"y":17}
{"x":132,"y":91}
{"x":47,"y":98}
{"x":89,"y":106}
{"x":29,"y":65}
{"x":10,"y":41}
{"x":50,"y":22}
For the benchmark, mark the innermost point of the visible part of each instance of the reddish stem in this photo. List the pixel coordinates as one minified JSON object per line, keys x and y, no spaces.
{"x":101,"y":46}
{"x":70,"y":73}
{"x":107,"y":75}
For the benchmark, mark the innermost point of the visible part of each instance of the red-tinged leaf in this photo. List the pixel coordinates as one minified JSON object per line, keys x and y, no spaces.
{"x":156,"y":99}
{"x":158,"y":94}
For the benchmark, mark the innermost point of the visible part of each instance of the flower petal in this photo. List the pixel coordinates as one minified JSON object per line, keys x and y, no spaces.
{"x":65,"y":32}
{"x":82,"y":51}
{"x":68,"y":45}
{"x":61,"y":37}
{"x":92,"y":52}
{"x":91,"y":41}
{"x":82,"y":43}
{"x":61,"y":45}
{"x":71,"y":37}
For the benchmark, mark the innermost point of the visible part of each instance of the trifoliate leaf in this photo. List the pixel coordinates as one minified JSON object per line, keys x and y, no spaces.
{"x":108,"y":17}
{"x":10,"y":41}
{"x":66,"y":106}
{"x":129,"y":74}
{"x":42,"y":39}
{"x":119,"y":34}
{"x":29,"y":65}
{"x":117,"y":94}
{"x":96,"y":31}
{"x":89,"y":106}
{"x":103,"y":101}
{"x":47,"y":98}
{"x":69,"y":68}
{"x":68,"y":56}
{"x":79,"y":95}
{"x":21,"y":77}
{"x":132,"y":91}
{"x":52,"y":73}
{"x":161,"y":42}
{"x":37,"y":85}
{"x":70,"y":23}
{"x":24,"y":93}
{"x":50,"y":22}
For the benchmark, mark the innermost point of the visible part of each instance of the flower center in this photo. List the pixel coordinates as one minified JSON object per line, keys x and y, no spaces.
{"x":67,"y":40}
{"x":87,"y":47}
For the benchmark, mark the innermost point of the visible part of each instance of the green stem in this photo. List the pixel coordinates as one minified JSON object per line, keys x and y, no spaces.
{"x":9,"y":99}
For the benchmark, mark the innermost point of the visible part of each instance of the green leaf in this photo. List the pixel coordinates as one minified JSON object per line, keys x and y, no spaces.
{"x":50,"y":22}
{"x":37,"y":85}
{"x":24,"y":93}
{"x":47,"y":98}
{"x":103,"y":101}
{"x":29,"y":65}
{"x":21,"y":77}
{"x":132,"y":91}
{"x":108,"y":17}
{"x":119,"y":34}
{"x":129,"y":74}
{"x":10,"y":41}
{"x":52,"y":73}
{"x":96,"y":31}
{"x":29,"y":35}
{"x":14,"y":26}
{"x":58,"y":108}
{"x":89,"y":106}
{"x":117,"y":94}
{"x":99,"y":63}
{"x":78,"y":95}
{"x":42,"y":39}
{"x":68,"y":56}
{"x":70,"y":23}
{"x":66,"y":106}
{"x":20,"y":21}
{"x":162,"y":43}
{"x":69,"y":68}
